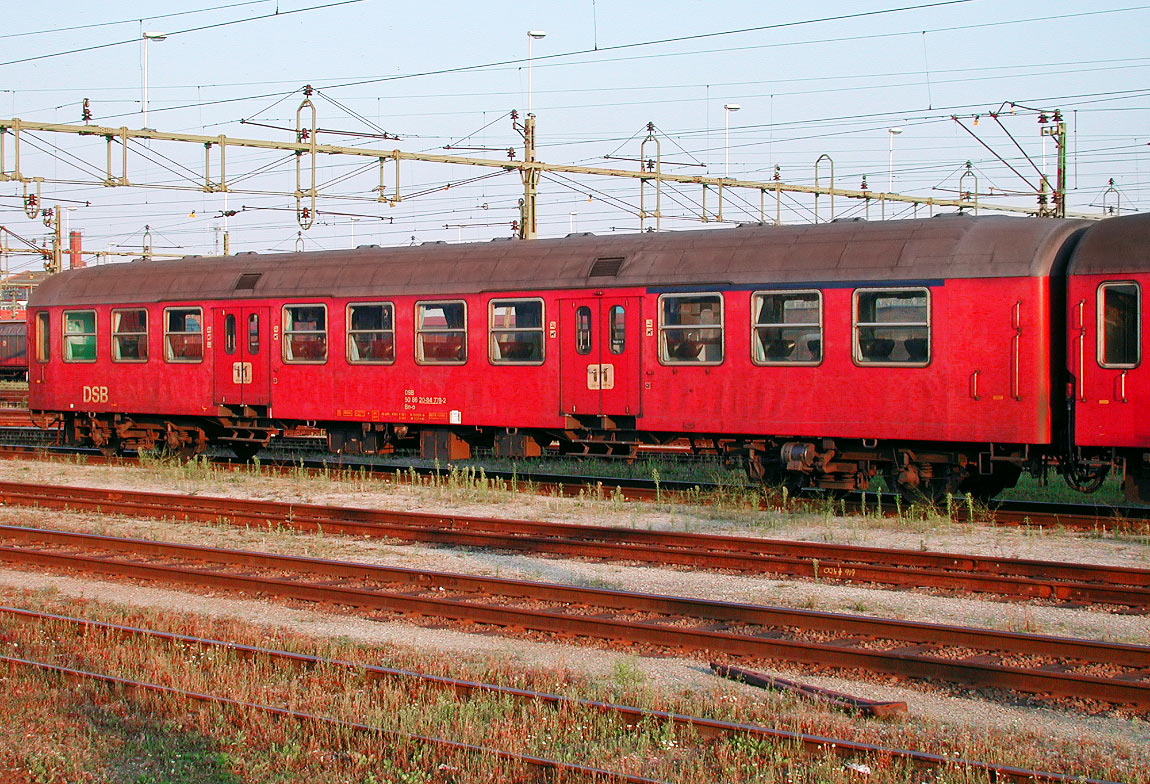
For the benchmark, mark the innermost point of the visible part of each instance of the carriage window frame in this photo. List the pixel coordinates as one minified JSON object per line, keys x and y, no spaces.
{"x":43,"y":337}
{"x":493,"y":330}
{"x":584,"y":330}
{"x":756,"y":308}
{"x":857,"y":326}
{"x":285,"y":341}
{"x":92,"y":339}
{"x":351,"y":332}
{"x":664,"y":358}
{"x":1101,"y":307}
{"x":168,"y":356}
{"x":616,"y":329}
{"x":230,"y":334}
{"x":253,"y":335}
{"x":421,"y":331}
{"x":119,"y":333}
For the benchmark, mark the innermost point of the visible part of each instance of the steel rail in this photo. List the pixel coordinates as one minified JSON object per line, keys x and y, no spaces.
{"x":1085,"y":516}
{"x":531,"y":761}
{"x":628,"y":714}
{"x":913,"y":661}
{"x":15,"y":417}
{"x":841,"y":563}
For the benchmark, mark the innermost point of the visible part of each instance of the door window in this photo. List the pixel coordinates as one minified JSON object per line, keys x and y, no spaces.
{"x":617,"y":318}
{"x":1119,"y":325}
{"x":230,"y":333}
{"x":43,"y":337}
{"x":253,"y":334}
{"x":583,"y":330}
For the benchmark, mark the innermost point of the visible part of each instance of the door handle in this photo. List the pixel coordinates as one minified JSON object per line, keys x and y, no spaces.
{"x":1082,"y":350}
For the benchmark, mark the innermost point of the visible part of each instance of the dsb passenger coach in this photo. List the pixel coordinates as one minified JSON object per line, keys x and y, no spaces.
{"x":948,"y":354}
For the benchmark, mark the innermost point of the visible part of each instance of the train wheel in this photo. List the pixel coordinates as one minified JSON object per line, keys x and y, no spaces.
{"x":930,"y":490}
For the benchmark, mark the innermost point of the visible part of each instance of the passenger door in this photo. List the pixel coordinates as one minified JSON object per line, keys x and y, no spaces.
{"x":1106,"y":323}
{"x":242,"y":356}
{"x":599,"y":356}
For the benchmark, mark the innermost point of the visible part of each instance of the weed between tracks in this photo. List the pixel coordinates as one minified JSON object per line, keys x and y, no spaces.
{"x":91,"y":732}
{"x":729,"y":504}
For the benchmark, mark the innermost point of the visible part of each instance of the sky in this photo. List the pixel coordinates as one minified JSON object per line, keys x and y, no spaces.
{"x":810,"y":79}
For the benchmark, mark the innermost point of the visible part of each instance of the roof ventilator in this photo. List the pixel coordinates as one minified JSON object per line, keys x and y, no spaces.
{"x":247,"y":281}
{"x":606,"y":267}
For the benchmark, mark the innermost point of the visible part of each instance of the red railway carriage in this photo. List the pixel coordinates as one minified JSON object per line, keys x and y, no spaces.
{"x":1105,"y":325}
{"x":820,"y":355}
{"x":13,"y":350}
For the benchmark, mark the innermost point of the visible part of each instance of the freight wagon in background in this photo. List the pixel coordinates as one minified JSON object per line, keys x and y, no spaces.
{"x":947,"y":354}
{"x":13,"y":351}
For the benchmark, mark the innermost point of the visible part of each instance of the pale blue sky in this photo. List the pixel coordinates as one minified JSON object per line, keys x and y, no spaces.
{"x":805,"y":89}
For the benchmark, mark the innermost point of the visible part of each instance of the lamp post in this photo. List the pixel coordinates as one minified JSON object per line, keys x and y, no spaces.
{"x":727,"y":109}
{"x":892,"y":132}
{"x":152,"y":36}
{"x":532,"y":37}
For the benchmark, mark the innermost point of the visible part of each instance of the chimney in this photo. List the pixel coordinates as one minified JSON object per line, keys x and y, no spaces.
{"x":75,"y":257}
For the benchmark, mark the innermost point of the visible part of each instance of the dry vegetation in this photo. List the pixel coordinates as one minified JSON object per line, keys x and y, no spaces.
{"x":92,"y":732}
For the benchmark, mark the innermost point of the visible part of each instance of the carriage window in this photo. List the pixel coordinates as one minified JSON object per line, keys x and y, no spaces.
{"x":371,"y":333}
{"x":130,"y":335}
{"x":788,"y":328}
{"x":517,"y":331}
{"x":305,"y":333}
{"x":1120,"y":324}
{"x":183,"y":335}
{"x":230,"y":334}
{"x":583,"y":330}
{"x":618,"y":331}
{"x":79,"y":336}
{"x":440,"y":333}
{"x":43,"y":337}
{"x":253,"y":334}
{"x":691,"y":329}
{"x":892,"y":327}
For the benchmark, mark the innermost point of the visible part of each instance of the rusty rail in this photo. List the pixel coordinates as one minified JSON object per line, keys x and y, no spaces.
{"x":835,"y":699}
{"x":979,"y":657}
{"x":1016,"y":578}
{"x":630,"y":715}
{"x":1086,"y":516}
{"x":538,"y":763}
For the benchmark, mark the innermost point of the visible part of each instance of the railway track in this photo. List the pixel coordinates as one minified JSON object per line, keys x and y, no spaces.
{"x":1014,"y":578}
{"x":1088,"y":670}
{"x":24,"y":442}
{"x":704,"y":728}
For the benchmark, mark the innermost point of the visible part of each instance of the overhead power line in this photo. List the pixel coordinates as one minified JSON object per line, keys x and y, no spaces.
{"x":133,"y":19}
{"x":201,"y":28}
